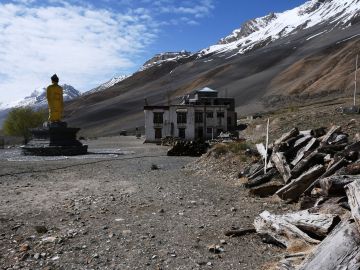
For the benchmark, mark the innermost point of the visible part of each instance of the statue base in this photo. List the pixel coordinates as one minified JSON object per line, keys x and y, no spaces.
{"x":54,"y":140}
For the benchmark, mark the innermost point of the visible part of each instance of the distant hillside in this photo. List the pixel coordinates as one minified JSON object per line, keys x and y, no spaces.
{"x":37,"y":99}
{"x":295,"y":56}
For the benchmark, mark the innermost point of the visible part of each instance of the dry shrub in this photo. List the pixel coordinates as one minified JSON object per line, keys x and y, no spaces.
{"x":237,"y":148}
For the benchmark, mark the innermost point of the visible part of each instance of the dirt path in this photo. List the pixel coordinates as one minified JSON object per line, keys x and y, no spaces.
{"x":115,"y":212}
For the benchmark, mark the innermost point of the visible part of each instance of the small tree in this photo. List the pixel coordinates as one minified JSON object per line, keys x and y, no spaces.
{"x":20,"y":120}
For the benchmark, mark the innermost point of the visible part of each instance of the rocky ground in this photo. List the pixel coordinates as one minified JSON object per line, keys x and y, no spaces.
{"x":137,"y":209}
{"x":127,"y":205}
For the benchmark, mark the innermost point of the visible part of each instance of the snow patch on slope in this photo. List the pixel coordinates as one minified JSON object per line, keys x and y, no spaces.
{"x":38,"y":99}
{"x":262,"y":31}
{"x":107,"y":84}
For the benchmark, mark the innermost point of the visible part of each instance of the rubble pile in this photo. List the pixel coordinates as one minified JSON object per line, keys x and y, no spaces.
{"x":319,"y":169}
{"x":169,"y":140}
{"x":188,"y":148}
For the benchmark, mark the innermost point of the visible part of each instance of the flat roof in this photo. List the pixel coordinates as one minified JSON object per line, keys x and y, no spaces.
{"x":207,"y":89}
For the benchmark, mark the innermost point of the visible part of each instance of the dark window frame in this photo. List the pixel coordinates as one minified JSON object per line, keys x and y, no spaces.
{"x":158,"y":117}
{"x":220,"y":114}
{"x":181,"y":117}
{"x":209,"y":114}
{"x":199,"y":117}
{"x":182,"y":133}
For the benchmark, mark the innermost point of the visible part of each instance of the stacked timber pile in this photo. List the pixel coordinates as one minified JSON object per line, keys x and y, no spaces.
{"x":321,"y":171}
{"x":169,"y":141}
{"x":188,"y":148}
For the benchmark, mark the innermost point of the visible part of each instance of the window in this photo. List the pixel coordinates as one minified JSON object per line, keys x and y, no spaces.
{"x":199,"y":117}
{"x":181,"y":117}
{"x":209,"y":115}
{"x":158,"y":117}
{"x":220,"y":114}
{"x":182,"y":133}
{"x":209,"y":130}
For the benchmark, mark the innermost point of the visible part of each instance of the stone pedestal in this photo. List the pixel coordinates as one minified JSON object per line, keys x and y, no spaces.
{"x":54,"y":140}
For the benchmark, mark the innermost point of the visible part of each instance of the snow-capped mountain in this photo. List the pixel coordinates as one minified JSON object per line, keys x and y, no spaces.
{"x":107,"y":84}
{"x":38,"y":98}
{"x":265,"y":30}
{"x":158,"y":59}
{"x":300,"y":55}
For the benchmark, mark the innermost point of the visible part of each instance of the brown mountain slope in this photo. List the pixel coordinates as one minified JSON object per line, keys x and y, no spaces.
{"x":332,"y":69}
{"x":260,"y":80}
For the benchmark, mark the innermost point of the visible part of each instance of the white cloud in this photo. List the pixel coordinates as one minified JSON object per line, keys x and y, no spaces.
{"x":84,"y":46}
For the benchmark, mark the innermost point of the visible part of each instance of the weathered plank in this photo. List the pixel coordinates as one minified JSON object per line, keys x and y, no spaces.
{"x":330,"y":171}
{"x":353,"y":194}
{"x":302,"y":151}
{"x":292,"y":133}
{"x":314,"y":223}
{"x":339,"y":250}
{"x":328,"y":135}
{"x":335,"y":185}
{"x":332,"y":149}
{"x":261,"y":149}
{"x":312,"y":159}
{"x":295,"y":188}
{"x":261,"y":179}
{"x":279,"y":161}
{"x":266,"y":190}
{"x":274,"y":229}
{"x":353,"y":169}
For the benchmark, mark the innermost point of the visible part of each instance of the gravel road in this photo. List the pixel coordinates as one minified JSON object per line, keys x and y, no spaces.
{"x":114,"y":210}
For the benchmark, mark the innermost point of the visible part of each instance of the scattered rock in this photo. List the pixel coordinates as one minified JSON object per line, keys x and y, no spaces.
{"x":36,"y":256}
{"x":223,"y":242}
{"x":215,"y":249}
{"x":49,"y":239}
{"x":40,"y":229}
{"x":24,"y":247}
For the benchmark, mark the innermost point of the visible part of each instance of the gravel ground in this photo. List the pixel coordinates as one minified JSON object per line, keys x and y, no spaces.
{"x":114,"y":210}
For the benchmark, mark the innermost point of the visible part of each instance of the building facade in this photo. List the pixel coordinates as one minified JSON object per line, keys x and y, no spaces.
{"x":204,"y":116}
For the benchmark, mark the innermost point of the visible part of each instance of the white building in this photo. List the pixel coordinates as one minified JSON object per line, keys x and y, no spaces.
{"x":201,"y":117}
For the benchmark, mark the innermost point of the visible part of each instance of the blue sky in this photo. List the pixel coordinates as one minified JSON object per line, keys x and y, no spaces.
{"x":88,"y":42}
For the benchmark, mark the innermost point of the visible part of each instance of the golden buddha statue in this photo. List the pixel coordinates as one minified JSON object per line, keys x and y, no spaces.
{"x":54,"y":95}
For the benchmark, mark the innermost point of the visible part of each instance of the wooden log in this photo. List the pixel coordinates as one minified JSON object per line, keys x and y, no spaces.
{"x":296,"y":146}
{"x":261,"y":179}
{"x":318,"y":132}
{"x":274,"y":229}
{"x":306,"y":132}
{"x":335,"y":185}
{"x":330,"y":171}
{"x":279,"y":161}
{"x":257,"y":173}
{"x":250,"y":169}
{"x":292,"y":133}
{"x":353,"y":169}
{"x":301,"y":153}
{"x":328,"y":135}
{"x":332,"y":149}
{"x":295,"y":188}
{"x":338,"y":138}
{"x":339,"y":250}
{"x":261,"y":149}
{"x":318,"y":224}
{"x":312,"y":159}
{"x":334,"y":168}
{"x":265,"y":190}
{"x":353,"y":194}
